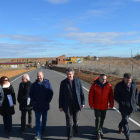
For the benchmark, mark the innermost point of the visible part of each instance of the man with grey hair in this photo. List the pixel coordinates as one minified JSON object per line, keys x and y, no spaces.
{"x":71,"y":100}
{"x":126,"y":94}
{"x":24,"y":101}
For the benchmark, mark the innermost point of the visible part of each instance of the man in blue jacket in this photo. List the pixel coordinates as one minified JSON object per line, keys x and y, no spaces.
{"x":41,"y":94}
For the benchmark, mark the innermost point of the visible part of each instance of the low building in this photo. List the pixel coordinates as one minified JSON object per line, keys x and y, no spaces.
{"x":73,"y":59}
{"x":60,"y":60}
{"x":63,"y":60}
{"x":12,"y":64}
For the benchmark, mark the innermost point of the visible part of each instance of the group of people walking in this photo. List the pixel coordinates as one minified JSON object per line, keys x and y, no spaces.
{"x":38,"y":95}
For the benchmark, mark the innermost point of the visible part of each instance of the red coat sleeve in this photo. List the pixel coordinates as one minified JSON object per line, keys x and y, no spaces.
{"x":91,"y":96}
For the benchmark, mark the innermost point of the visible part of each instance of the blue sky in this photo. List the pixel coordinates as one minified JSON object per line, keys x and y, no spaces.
{"x":50,"y":28}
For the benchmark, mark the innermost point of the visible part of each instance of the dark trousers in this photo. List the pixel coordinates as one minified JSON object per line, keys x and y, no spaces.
{"x":125,"y":123}
{"x":72,"y":114}
{"x":40,"y":128}
{"x":99,"y":121}
{"x":23,"y":118}
{"x":7,"y":120}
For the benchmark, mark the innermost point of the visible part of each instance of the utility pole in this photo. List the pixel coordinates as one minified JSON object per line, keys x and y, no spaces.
{"x":131,"y":54}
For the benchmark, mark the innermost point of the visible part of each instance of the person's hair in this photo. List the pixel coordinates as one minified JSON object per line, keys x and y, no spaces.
{"x":101,"y":75}
{"x":27,"y":77}
{"x":127,"y":75}
{"x":40,"y":72}
{"x":69,"y":70}
{"x":2,"y":79}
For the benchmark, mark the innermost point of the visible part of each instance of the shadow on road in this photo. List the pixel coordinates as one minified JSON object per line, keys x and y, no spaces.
{"x":59,"y":132}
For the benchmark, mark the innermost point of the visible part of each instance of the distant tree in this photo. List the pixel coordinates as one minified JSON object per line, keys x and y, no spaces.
{"x":137,"y":56}
{"x":95,"y":57}
{"x":46,"y":63}
{"x":30,"y":62}
{"x":35,"y":64}
{"x":88,"y":57}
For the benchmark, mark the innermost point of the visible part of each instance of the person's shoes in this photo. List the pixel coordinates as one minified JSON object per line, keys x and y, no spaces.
{"x":98,"y":137}
{"x":9,"y":133}
{"x":76,"y":132}
{"x":128,"y":139}
{"x":21,"y":129}
{"x":30,"y":125}
{"x":101,"y":134}
{"x":37,"y":137}
{"x":120,"y":130}
{"x":69,"y":138}
{"x":42,"y":131}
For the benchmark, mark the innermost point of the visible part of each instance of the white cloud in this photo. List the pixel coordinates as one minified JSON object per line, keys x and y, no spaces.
{"x":25,"y":38}
{"x":57,"y":1}
{"x":11,"y":50}
{"x":95,"y":13}
{"x":102,"y":38}
{"x":74,"y":29}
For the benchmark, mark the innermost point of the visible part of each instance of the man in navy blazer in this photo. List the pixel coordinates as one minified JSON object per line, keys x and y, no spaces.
{"x":71,"y":100}
{"x":126,"y":94}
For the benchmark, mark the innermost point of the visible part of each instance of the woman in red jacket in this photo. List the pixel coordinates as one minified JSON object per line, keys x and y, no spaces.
{"x":100,"y":95}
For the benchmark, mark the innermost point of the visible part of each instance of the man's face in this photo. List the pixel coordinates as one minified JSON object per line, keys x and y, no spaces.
{"x":103,"y":79}
{"x":70,"y":75}
{"x":40,"y":77}
{"x":24,"y":80}
{"x":127,"y":81}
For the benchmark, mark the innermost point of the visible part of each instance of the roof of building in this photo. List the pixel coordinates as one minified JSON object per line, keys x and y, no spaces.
{"x":12,"y":63}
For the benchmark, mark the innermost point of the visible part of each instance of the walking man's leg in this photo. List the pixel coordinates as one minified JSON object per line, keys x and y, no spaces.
{"x":44,"y":121}
{"x":76,"y":116}
{"x":30,"y":118}
{"x":38,"y":127}
{"x":23,"y":120}
{"x":98,"y":123}
{"x":125,"y":120}
{"x":69,"y":125}
{"x":103,"y":115}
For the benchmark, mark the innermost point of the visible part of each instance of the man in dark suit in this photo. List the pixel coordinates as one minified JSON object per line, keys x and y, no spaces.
{"x":126,"y":94}
{"x":71,"y":100}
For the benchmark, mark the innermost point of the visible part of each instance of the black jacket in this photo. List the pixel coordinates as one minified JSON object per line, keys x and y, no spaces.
{"x":139,"y":100}
{"x":23,"y":95}
{"x":127,"y":98}
{"x":65,"y":91}
{"x":1,"y":95}
{"x":6,"y":110}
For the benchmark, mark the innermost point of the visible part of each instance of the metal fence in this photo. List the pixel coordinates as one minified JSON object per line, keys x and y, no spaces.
{"x":115,"y":70}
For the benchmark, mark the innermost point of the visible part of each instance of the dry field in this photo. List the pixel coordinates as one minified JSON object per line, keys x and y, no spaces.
{"x":13,"y":72}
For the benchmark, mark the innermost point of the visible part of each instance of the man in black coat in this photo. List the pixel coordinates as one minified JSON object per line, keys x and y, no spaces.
{"x":24,"y":101}
{"x":126,"y":94}
{"x":71,"y":100}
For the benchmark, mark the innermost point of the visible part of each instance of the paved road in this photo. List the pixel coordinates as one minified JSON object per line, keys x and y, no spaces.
{"x":56,"y":129}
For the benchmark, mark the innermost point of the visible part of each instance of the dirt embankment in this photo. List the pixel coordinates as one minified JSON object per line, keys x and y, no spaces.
{"x":13,"y":72}
{"x":89,"y":76}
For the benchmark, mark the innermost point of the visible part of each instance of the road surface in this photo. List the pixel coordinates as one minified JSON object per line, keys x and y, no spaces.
{"x":56,"y":125}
